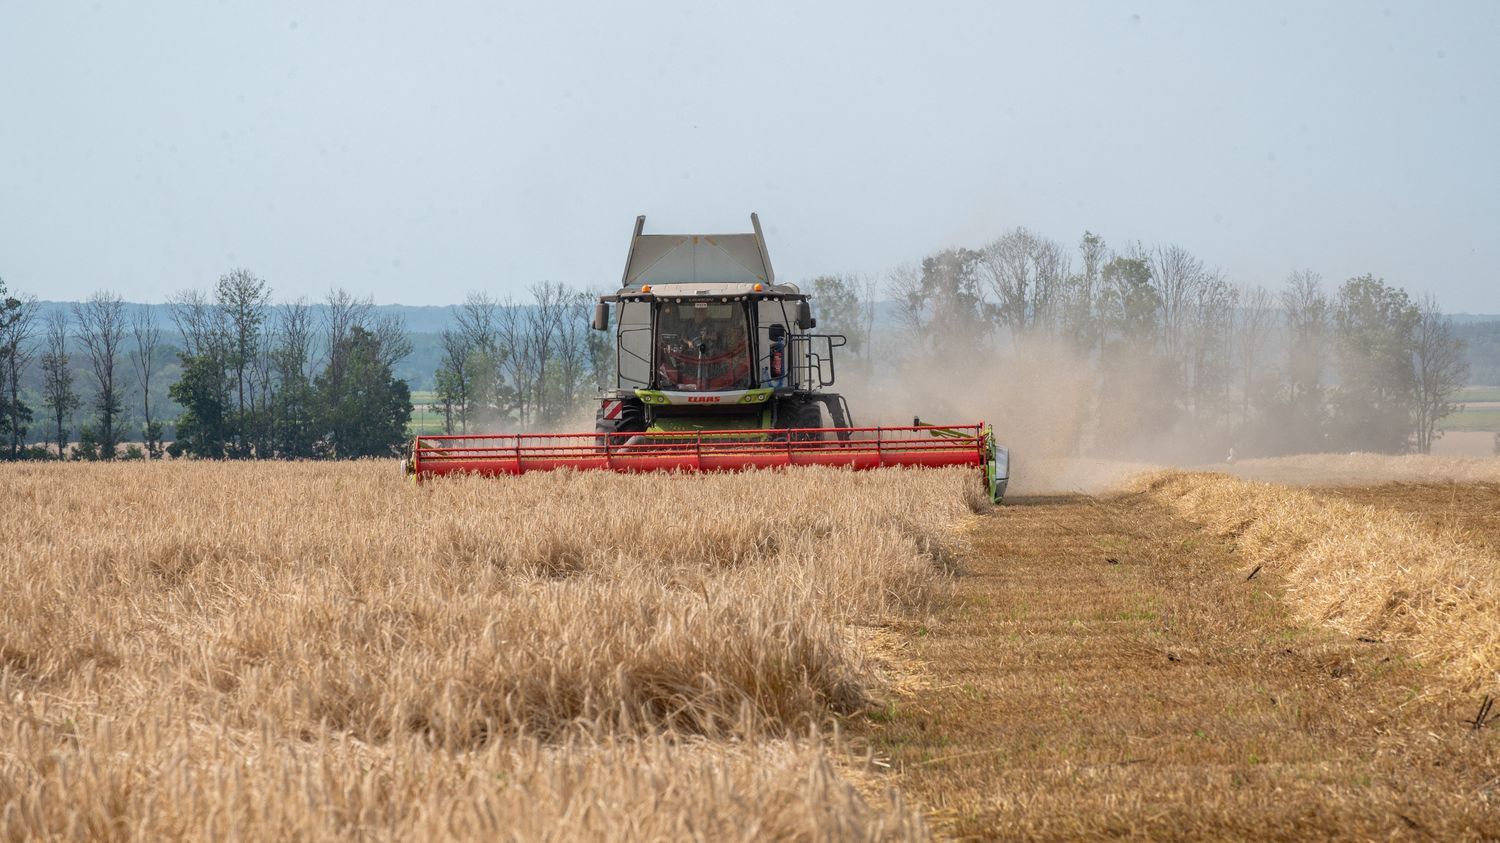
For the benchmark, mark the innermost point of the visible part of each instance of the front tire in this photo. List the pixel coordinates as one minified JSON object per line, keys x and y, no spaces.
{"x":631,"y":419}
{"x":794,"y":415}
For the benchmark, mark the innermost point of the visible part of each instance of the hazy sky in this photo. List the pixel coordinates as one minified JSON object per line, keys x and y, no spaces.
{"x":417,"y":154}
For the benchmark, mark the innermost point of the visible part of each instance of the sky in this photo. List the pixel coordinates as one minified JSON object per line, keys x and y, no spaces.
{"x":414,"y":152}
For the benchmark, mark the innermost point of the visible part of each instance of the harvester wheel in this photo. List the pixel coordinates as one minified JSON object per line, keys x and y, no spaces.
{"x":793,"y":415}
{"x":630,"y":418}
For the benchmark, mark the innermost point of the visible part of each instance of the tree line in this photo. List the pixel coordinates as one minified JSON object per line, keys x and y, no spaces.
{"x":1171,"y":346}
{"x":254,"y":380}
{"x":510,"y":364}
{"x":1171,"y":349}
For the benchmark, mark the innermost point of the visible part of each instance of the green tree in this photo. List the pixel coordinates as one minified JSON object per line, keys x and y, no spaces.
{"x":450,"y":394}
{"x":15,"y":354}
{"x":9,"y":307}
{"x":1374,"y":333}
{"x":366,"y":410}
{"x":1136,"y":403}
{"x":944,"y":305}
{"x":202,"y":391}
{"x":203,"y":387}
{"x":10,"y":314}
{"x":88,"y":445}
{"x":844,"y":307}
{"x":294,"y":403}
{"x":1084,"y":293}
{"x":1128,"y":302}
{"x":295,"y":408}
{"x":454,"y":380}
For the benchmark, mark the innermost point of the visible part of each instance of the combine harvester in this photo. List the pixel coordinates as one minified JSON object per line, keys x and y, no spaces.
{"x":716,"y":370}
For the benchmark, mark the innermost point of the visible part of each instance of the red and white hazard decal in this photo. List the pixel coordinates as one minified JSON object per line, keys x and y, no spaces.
{"x":612,"y":409}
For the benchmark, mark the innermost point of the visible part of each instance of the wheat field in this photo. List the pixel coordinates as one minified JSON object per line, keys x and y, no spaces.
{"x":316,"y":651}
{"x":325,"y":651}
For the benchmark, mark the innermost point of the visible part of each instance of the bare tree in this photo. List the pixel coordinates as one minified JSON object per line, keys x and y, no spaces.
{"x":57,"y":379}
{"x":1307,"y":312}
{"x":1178,"y":275}
{"x":342,"y":313}
{"x":292,"y":368}
{"x":1027,"y":274}
{"x":101,"y":329}
{"x":573,"y":348}
{"x":147,"y":335}
{"x":513,"y":335}
{"x":472,"y":358}
{"x":244,"y":299}
{"x":294,"y":342}
{"x":1206,"y":346}
{"x":390,"y":335}
{"x":904,"y":284}
{"x":198,"y":321}
{"x":1441,"y":371}
{"x":1254,"y":319}
{"x":15,"y":354}
{"x":477,"y":318}
{"x":454,"y":380}
{"x":1306,"y":309}
{"x":546,"y":319}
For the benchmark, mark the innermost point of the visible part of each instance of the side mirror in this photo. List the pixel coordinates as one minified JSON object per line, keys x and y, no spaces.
{"x":601,"y":316}
{"x":805,"y":319}
{"x":776,"y":332}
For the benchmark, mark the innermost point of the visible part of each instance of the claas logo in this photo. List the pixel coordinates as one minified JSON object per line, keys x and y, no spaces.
{"x":703,"y":399}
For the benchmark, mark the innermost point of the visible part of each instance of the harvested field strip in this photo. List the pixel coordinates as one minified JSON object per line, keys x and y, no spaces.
{"x":1469,"y":512}
{"x":166,"y":628}
{"x":1105,"y":669}
{"x":1369,"y":572}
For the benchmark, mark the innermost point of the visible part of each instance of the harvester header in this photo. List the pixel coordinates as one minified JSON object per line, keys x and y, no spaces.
{"x":717,"y":368}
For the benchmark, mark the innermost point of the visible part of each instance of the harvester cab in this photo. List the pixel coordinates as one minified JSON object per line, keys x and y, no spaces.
{"x":718,"y":368}
{"x":705,"y":339}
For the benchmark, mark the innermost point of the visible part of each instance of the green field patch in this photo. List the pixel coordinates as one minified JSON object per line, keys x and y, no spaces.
{"x":1483,"y":420}
{"x":1478,"y":393}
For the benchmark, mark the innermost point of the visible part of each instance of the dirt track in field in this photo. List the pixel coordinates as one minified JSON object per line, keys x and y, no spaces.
{"x":1105,"y":669}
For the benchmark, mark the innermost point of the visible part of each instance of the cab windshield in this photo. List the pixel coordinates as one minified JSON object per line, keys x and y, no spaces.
{"x":702,"y":346}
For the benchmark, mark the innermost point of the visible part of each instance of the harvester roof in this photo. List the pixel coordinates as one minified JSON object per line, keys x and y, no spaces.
{"x":703,"y":260}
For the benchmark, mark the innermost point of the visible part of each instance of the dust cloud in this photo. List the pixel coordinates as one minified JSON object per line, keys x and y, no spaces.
{"x":1074,"y":425}
{"x":1040,"y":397}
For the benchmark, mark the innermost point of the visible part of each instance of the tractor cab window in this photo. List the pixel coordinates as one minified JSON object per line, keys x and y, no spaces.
{"x":702,"y":346}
